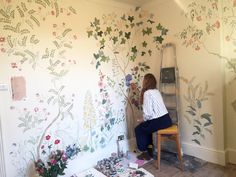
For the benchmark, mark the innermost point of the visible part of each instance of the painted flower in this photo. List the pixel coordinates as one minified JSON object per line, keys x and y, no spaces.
{"x":48,"y":137}
{"x":13,"y":65}
{"x":199,"y":18}
{"x":128,"y":77}
{"x":53,"y":161}
{"x":57,"y":141}
{"x":217,"y":24}
{"x":2,"y":39}
{"x":64,"y":158}
{"x":36,"y":109}
{"x":227,"y":38}
{"x":133,"y":86}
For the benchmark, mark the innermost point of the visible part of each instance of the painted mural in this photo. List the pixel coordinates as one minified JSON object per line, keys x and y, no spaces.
{"x":200,"y":120}
{"x":46,"y":120}
{"x":124,"y":41}
{"x":205,"y":19}
{"x":19,"y":24}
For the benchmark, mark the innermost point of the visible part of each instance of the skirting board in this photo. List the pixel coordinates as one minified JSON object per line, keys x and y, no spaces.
{"x":231,"y":155}
{"x":204,"y":153}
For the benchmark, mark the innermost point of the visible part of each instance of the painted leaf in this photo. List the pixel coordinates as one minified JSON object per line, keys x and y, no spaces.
{"x":198,"y":122}
{"x":196,"y":141}
{"x":192,"y":108}
{"x":195,"y":133}
{"x":72,"y":10}
{"x":197,"y":127}
{"x":191,"y":112}
{"x":56,"y":8}
{"x":208,"y":130}
{"x":207,"y":124}
{"x":158,"y":39}
{"x":199,"y":104}
{"x":66,"y":31}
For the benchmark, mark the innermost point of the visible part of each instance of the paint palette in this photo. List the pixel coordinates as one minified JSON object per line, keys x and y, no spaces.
{"x":92,"y":172}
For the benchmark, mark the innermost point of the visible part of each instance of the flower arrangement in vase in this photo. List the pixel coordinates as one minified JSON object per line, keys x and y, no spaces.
{"x":56,"y":162}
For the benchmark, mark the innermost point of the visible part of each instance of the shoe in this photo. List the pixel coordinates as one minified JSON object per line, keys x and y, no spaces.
{"x":150,"y":151}
{"x":144,"y":156}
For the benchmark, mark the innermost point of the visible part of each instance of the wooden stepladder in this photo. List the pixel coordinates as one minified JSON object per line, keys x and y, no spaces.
{"x":169,"y":88}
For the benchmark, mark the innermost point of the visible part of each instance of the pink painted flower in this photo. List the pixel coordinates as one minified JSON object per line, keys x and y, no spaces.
{"x":3,"y":50}
{"x":64,"y":158}
{"x":227,"y":38}
{"x":42,"y":146}
{"x":217,"y":24}
{"x":13,"y":65}
{"x":199,"y":18}
{"x":133,"y":86}
{"x":48,"y":137}
{"x":57,"y":141}
{"x":2,"y":39}
{"x":52,"y":12}
{"x":197,"y":48}
{"x":100,"y":84}
{"x":53,"y":161}
{"x":36,"y":109}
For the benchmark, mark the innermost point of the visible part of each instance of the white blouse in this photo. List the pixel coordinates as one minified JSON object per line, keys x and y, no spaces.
{"x":153,"y":105}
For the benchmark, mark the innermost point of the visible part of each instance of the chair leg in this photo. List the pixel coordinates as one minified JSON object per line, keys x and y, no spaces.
{"x":179,"y":151}
{"x":159,"y":151}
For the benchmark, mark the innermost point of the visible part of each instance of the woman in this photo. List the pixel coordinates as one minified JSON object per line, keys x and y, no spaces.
{"x":155,"y":116}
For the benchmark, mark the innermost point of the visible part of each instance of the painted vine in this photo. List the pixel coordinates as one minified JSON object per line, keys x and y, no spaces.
{"x":208,"y":17}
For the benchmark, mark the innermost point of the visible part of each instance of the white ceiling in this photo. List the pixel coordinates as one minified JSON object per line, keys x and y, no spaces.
{"x":134,"y":2}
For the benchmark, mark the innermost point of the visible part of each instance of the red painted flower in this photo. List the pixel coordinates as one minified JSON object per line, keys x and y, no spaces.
{"x":57,"y":141}
{"x":48,"y":137}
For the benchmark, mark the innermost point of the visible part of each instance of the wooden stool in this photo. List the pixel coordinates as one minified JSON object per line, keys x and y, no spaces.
{"x":173,"y":132}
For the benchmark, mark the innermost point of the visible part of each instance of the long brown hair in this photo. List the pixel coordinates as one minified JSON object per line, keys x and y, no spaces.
{"x":149,"y":82}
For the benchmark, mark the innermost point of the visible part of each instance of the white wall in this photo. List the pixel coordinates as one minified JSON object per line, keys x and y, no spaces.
{"x":75,"y":93}
{"x":197,"y":66}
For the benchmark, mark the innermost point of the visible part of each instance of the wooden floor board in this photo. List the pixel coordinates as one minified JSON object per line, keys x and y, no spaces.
{"x":208,"y":170}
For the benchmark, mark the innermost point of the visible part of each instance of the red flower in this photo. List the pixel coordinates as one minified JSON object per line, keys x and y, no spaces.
{"x":57,"y":141}
{"x":48,"y":137}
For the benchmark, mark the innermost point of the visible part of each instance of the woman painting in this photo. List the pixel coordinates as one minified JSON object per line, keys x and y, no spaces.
{"x":155,"y":116}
